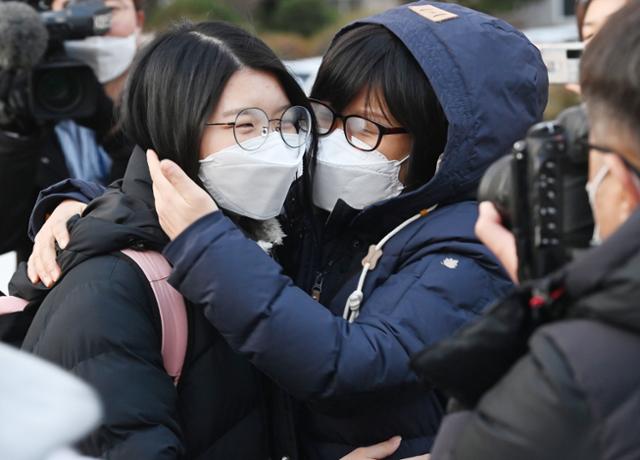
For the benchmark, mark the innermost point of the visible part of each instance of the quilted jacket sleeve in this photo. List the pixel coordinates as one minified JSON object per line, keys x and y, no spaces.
{"x":51,"y":197}
{"x":297,"y":341}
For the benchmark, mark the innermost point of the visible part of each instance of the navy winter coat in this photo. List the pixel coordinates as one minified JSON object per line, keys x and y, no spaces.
{"x":351,"y":382}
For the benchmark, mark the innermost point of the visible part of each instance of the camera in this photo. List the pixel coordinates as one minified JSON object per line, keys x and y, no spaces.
{"x":58,"y":86}
{"x":539,"y":191}
{"x":62,"y":87}
{"x":562,"y":61}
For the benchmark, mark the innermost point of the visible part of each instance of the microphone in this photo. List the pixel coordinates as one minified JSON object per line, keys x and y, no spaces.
{"x":23,"y":37}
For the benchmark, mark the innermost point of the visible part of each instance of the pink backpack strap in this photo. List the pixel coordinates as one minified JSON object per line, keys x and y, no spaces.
{"x":10,"y":304}
{"x":173,"y":311}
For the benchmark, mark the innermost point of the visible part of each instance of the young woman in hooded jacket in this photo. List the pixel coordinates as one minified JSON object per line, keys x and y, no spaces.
{"x":412,"y":106}
{"x":197,"y":93}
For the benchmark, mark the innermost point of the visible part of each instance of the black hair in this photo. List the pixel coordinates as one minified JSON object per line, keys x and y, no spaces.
{"x":610,"y":71}
{"x":371,"y":58}
{"x":176,"y":82}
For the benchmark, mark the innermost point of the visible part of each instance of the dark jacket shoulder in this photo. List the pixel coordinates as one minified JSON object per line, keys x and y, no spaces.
{"x":99,"y":324}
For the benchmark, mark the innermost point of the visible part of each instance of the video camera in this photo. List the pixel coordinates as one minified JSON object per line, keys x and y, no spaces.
{"x":539,"y":191}
{"x":59,"y":86}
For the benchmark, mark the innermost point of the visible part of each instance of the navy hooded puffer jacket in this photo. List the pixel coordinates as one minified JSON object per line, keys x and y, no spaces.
{"x":351,"y":383}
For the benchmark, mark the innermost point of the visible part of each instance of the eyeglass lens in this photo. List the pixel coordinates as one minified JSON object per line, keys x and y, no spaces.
{"x":360,"y":132}
{"x":252,"y":127}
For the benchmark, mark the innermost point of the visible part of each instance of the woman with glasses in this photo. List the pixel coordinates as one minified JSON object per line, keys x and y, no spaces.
{"x":216,"y":101}
{"x":411,"y":105}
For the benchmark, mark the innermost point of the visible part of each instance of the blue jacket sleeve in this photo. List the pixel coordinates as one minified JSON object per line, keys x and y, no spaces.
{"x":51,"y":197}
{"x":299,"y":343}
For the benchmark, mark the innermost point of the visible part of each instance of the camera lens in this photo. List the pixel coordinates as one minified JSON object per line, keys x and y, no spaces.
{"x":495,"y":186}
{"x":58,"y":91}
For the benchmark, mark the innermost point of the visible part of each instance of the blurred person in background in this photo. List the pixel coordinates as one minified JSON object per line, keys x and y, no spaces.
{"x":590,"y":17}
{"x":34,"y":155}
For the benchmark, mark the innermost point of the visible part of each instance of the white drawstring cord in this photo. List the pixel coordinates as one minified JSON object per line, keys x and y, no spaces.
{"x":352,"y":307}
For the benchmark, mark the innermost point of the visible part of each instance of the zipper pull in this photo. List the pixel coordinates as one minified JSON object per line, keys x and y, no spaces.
{"x":316,"y":290}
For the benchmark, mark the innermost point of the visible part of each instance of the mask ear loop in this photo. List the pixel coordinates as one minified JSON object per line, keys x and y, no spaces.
{"x":352,"y":306}
{"x":592,"y":189}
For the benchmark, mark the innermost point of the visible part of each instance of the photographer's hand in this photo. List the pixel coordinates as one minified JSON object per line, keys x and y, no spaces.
{"x":42,"y":263}
{"x":380,"y":451}
{"x":497,"y":238}
{"x":179,"y":201}
{"x":15,"y":112}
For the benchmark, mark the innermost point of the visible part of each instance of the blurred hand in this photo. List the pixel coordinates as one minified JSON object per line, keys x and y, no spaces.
{"x":497,"y":238}
{"x":381,"y":451}
{"x":375,"y":452}
{"x":42,"y":263}
{"x":179,"y":201}
{"x":574,"y":88}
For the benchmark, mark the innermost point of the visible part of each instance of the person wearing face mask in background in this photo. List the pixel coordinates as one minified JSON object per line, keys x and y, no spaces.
{"x":590,"y":17}
{"x":242,"y":130}
{"x":35,"y":155}
{"x":397,"y":102}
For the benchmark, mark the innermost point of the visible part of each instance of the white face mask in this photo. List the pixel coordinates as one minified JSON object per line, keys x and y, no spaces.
{"x":359,"y":178}
{"x":592,"y":190}
{"x":108,"y":57}
{"x":252,"y":183}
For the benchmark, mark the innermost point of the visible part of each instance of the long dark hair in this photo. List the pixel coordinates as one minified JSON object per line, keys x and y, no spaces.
{"x":177,"y":80}
{"x":371,"y":58}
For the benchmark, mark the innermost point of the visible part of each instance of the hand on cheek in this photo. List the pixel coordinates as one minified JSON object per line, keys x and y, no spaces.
{"x":179,"y":201}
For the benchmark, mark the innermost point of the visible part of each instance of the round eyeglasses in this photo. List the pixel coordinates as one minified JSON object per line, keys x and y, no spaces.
{"x":252,"y":127}
{"x":607,"y":151}
{"x":360,"y":132}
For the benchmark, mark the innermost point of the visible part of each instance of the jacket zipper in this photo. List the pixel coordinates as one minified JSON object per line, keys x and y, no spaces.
{"x":316,"y":290}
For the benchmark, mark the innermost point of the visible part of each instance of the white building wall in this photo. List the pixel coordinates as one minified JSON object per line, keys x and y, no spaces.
{"x":541,"y":13}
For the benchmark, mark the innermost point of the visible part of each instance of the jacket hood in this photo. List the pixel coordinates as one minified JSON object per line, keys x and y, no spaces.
{"x":490,"y":80}
{"x":605,"y":281}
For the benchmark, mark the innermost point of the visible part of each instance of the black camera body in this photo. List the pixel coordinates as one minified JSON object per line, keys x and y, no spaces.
{"x":57,"y":86}
{"x":539,"y":191}
{"x":61,"y":87}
